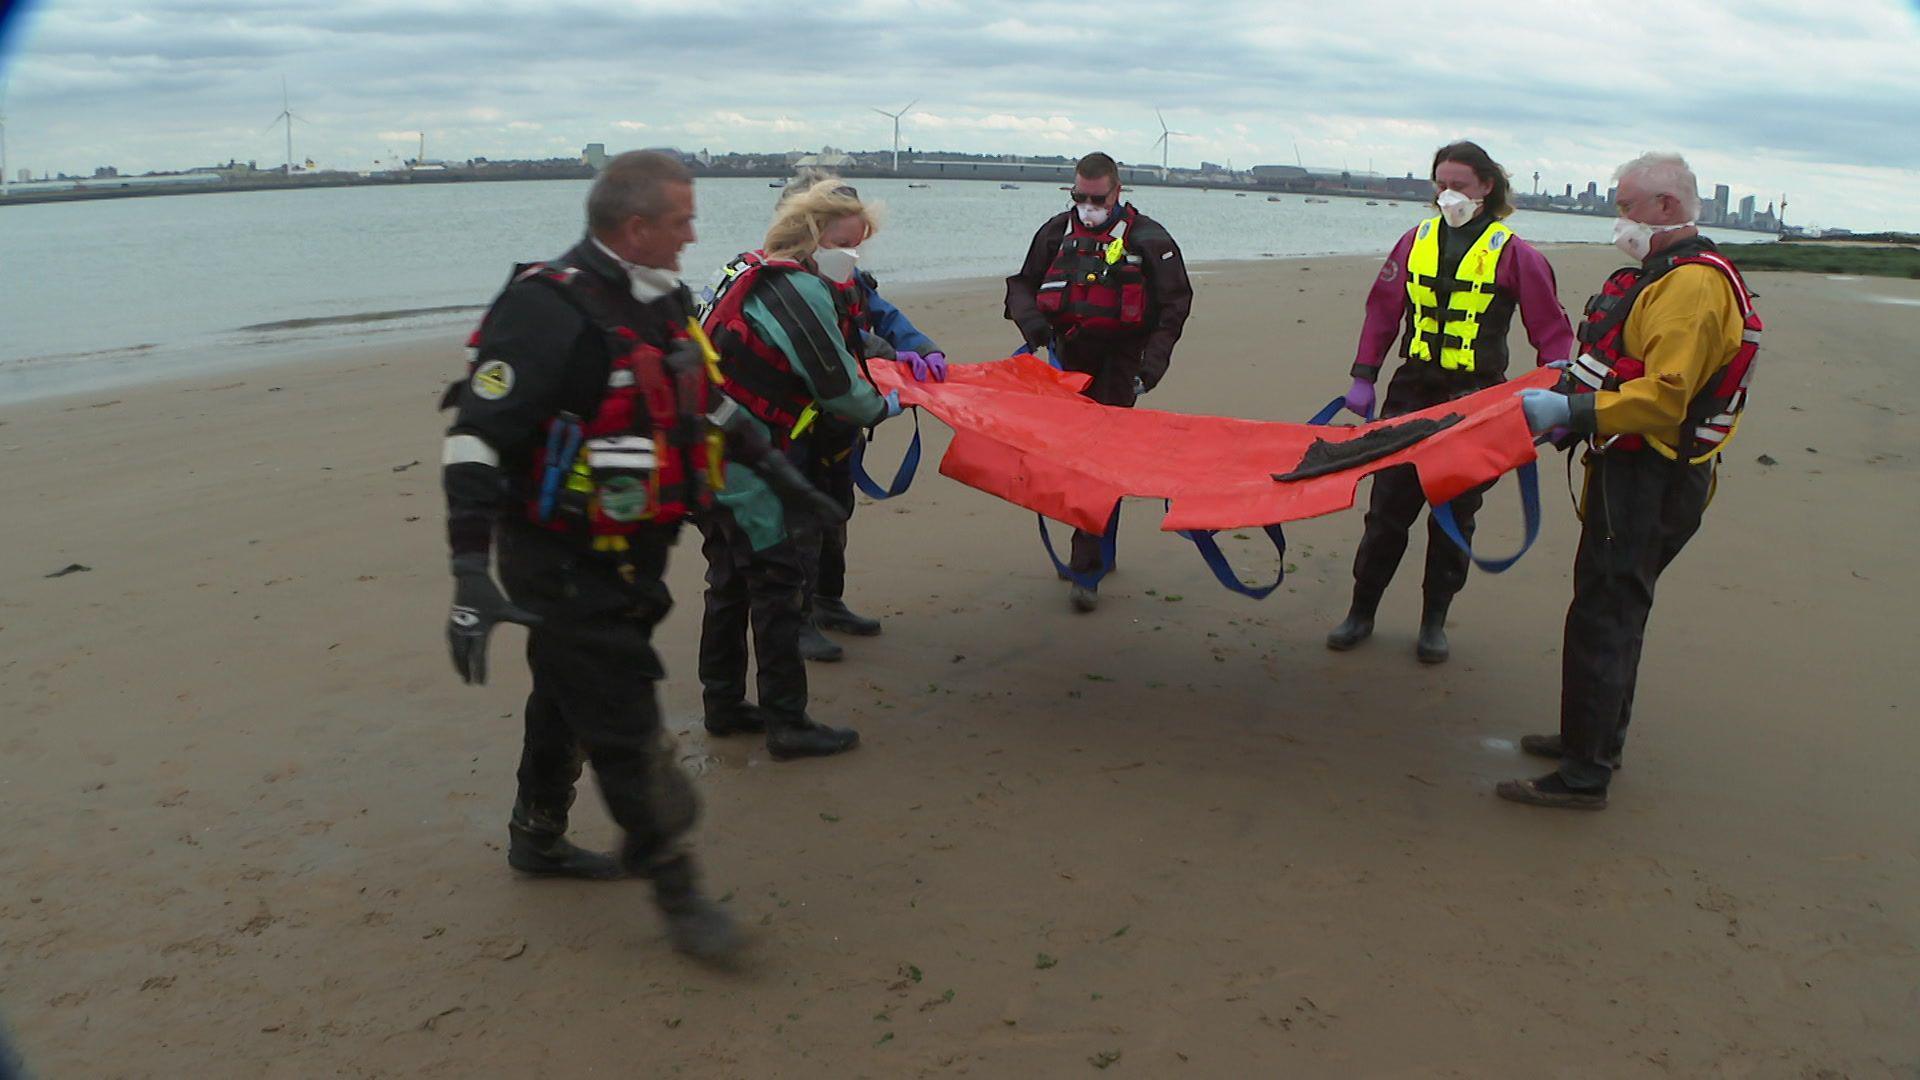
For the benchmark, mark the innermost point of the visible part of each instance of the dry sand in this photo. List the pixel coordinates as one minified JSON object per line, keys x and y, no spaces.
{"x":255,"y":825}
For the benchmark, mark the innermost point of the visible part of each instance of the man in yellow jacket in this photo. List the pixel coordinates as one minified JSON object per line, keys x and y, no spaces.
{"x":1669,"y":350}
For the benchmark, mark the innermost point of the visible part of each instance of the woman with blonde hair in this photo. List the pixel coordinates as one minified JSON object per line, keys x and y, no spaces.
{"x":887,"y":333}
{"x":786,"y":322}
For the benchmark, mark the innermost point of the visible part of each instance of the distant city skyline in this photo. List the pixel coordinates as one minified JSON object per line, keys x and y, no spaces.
{"x":170,"y":84}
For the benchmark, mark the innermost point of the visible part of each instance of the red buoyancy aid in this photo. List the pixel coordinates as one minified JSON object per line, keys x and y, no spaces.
{"x":1605,"y":365}
{"x":754,"y":371}
{"x":1094,"y":282}
{"x":647,"y":455}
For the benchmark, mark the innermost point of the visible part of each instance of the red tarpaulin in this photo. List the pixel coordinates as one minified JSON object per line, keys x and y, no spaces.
{"x":1023,"y":432}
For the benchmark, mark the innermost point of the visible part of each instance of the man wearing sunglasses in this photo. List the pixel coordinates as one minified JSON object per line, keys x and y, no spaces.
{"x":1105,"y":287}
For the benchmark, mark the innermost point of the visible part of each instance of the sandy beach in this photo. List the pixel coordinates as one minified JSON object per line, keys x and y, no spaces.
{"x":257,"y":826}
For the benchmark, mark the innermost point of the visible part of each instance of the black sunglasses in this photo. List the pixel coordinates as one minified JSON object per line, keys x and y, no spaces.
{"x":1087,"y":196}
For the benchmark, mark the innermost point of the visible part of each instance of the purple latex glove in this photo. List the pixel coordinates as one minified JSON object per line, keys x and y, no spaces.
{"x":933,"y":364}
{"x":1360,"y":398}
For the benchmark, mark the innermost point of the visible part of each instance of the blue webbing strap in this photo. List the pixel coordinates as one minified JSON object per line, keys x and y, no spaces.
{"x":902,"y":477}
{"x":1529,"y":475}
{"x":1107,"y":546}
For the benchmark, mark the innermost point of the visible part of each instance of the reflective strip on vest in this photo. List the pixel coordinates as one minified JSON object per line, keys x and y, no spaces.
{"x":468,"y":450}
{"x":1471,"y":295}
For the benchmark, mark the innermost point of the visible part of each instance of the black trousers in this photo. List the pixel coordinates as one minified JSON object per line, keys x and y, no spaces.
{"x":1640,"y":510}
{"x":1114,"y":363}
{"x":594,"y":674}
{"x":830,"y":468}
{"x":763,"y":591}
{"x":1397,"y":500}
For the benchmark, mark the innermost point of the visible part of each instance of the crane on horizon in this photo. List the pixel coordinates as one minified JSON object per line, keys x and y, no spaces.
{"x":895,"y":116}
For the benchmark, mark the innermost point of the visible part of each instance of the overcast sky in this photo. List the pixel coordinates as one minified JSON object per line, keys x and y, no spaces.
{"x":1814,"y":99}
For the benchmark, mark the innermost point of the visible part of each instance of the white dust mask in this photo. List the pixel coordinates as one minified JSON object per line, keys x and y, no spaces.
{"x":1093,"y":216}
{"x":1456,"y":208}
{"x":836,"y":264}
{"x":1636,"y":237}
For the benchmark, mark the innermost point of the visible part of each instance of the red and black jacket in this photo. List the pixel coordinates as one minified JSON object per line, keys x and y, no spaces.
{"x":1604,"y":363}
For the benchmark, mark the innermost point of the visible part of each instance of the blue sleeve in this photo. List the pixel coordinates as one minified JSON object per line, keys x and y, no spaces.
{"x":893,"y":325}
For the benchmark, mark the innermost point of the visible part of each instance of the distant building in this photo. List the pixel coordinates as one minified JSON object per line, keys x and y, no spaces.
{"x":105,"y":172}
{"x":26,"y":176}
{"x":827,"y":158}
{"x":1279,"y":172}
{"x":1746,"y":210}
{"x":1721,"y":193}
{"x":1212,"y":167}
{"x":595,"y":156}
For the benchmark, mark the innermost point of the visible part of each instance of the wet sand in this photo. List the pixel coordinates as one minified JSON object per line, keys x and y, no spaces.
{"x":256,"y":826}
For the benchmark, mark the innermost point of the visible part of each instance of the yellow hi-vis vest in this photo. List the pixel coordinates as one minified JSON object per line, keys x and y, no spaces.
{"x":1460,"y":301}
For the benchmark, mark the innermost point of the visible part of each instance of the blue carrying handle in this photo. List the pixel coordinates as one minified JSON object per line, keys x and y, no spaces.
{"x":902,"y":477}
{"x":1529,"y":475}
{"x":1050,"y":358}
{"x":1216,"y":560}
{"x":1108,"y":546}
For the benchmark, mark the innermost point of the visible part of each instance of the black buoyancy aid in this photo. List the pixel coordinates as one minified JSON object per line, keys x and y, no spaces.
{"x":1096,"y":282}
{"x":757,"y":373}
{"x":647,"y":456}
{"x":1605,"y":365}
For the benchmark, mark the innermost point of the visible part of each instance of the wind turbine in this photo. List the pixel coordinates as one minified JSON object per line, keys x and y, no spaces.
{"x":1165,"y":142}
{"x":896,"y":127}
{"x":286,"y":115}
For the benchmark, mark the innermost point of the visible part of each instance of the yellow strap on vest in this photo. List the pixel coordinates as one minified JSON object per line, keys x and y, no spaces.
{"x":707,"y":352}
{"x":1469,"y":300}
{"x":807,"y":417}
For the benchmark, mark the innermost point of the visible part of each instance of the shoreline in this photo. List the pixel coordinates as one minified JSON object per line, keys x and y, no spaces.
{"x":259,"y":822}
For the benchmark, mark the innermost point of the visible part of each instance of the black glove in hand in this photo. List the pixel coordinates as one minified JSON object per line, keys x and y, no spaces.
{"x":477,"y":607}
{"x":795,"y":493}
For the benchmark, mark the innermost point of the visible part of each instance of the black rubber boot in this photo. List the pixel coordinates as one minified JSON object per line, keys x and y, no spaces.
{"x":1547,"y":746}
{"x":805,"y":737}
{"x":832,"y":613}
{"x":742,"y":719}
{"x":1358,"y":625}
{"x":1082,"y":598}
{"x":697,"y":926}
{"x":815,"y":645}
{"x":1432,"y":646}
{"x":537,"y":845}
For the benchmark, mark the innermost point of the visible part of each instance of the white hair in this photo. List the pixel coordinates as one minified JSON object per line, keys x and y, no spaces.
{"x":1665,"y":174}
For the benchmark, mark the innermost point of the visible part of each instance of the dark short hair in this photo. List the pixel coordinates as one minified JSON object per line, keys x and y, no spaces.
{"x":633,"y":184}
{"x":1500,"y":195}
{"x":1097,"y":165}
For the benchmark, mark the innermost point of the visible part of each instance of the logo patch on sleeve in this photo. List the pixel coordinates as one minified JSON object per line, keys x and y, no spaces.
{"x":493,"y":380}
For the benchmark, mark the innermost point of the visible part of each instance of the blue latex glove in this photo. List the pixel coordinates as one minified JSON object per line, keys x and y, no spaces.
{"x":1140,"y":387}
{"x":893,"y":405}
{"x":1558,"y":365}
{"x":1545,"y":409}
{"x":1360,"y":398}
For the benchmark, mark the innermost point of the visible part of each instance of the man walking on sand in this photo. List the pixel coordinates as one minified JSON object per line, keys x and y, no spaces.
{"x":588,"y":428}
{"x":1668,"y":352}
{"x":1105,"y":287}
